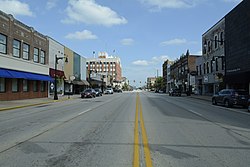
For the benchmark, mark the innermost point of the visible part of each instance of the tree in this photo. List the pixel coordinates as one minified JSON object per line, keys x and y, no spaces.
{"x":159,"y":83}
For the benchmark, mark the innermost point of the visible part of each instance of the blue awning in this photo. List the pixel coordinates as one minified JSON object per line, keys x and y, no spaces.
{"x":5,"y":73}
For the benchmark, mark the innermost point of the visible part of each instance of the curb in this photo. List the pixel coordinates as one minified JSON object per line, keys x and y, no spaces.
{"x":200,"y":98}
{"x":30,"y":105}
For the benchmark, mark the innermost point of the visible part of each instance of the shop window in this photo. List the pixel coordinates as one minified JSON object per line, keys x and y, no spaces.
{"x":35,"y":88}
{"x":3,"y":44}
{"x":25,"y":85}
{"x":16,"y":48}
{"x":36,"y":55}
{"x":14,"y":85}
{"x":2,"y":84}
{"x":26,"y":51}
{"x":42,"y":84}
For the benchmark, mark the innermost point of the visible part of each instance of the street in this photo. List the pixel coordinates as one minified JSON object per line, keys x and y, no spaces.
{"x":125,"y":129}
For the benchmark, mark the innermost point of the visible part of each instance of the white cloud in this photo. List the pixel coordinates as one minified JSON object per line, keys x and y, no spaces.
{"x":154,"y":61}
{"x":89,"y":12}
{"x":51,"y":4}
{"x":83,"y":35}
{"x":15,"y":7}
{"x":127,"y":41}
{"x":160,"y":4}
{"x":175,"y":41}
{"x":140,"y":62}
{"x":159,"y":59}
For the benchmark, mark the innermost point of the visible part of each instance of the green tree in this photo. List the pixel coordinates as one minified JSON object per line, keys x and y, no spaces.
{"x":159,"y":83}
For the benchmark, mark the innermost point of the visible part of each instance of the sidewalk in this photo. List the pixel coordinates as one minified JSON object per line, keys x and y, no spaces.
{"x":14,"y":104}
{"x":202,"y":97}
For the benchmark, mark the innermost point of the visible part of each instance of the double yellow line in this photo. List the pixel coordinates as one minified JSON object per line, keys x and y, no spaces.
{"x":136,"y":161}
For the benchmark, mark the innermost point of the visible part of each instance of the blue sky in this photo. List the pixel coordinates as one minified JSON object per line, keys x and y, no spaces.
{"x":143,"y":33}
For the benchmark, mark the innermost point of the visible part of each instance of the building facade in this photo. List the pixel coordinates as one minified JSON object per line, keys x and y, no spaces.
{"x":212,"y":67}
{"x":166,"y":75}
{"x":56,"y":49}
{"x":108,"y":66}
{"x":183,"y":72}
{"x":237,"y":41}
{"x":24,"y":70}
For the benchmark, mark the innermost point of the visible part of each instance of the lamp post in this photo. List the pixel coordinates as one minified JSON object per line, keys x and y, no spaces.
{"x":56,"y":62}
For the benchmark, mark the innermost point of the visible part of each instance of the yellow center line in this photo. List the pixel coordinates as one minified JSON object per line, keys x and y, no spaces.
{"x":148,"y":160}
{"x":145,"y":139}
{"x":136,"y":137}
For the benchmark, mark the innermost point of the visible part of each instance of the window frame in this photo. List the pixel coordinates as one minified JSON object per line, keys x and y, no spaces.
{"x":25,"y":85}
{"x":42,"y":86}
{"x":36,"y":56}
{"x":18,"y":48}
{"x":12,"y":86}
{"x":3,"y":44}
{"x":35,"y":86}
{"x":2,"y":85}
{"x":26,"y":51}
{"x":42,"y":57}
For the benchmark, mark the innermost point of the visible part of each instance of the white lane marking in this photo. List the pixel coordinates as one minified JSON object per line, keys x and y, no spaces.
{"x":196,"y":113}
{"x":85,"y":111}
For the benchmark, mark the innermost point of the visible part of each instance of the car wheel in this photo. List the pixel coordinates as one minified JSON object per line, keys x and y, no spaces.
{"x":214,"y":101}
{"x":227,"y":104}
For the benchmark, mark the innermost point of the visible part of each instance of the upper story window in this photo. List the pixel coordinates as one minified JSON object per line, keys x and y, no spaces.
{"x":42,"y":58}
{"x":211,"y":66}
{"x":204,"y":68}
{"x":207,"y":67}
{"x":16,"y":48}
{"x":3,"y":44}
{"x":36,"y":55}
{"x":209,"y":45}
{"x":221,"y":37}
{"x":216,"y":64}
{"x":205,"y":47}
{"x":200,"y":69}
{"x":215,"y":42}
{"x":26,"y":51}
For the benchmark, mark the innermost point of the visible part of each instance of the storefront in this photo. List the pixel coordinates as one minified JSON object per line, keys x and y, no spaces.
{"x":16,"y":85}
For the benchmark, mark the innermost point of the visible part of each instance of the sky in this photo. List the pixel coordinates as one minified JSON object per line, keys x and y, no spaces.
{"x":143,"y":33}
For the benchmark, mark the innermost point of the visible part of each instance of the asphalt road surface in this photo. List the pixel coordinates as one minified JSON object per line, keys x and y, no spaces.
{"x":125,"y":130}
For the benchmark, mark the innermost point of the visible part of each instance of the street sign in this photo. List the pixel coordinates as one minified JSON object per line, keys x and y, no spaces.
{"x":52,"y":86}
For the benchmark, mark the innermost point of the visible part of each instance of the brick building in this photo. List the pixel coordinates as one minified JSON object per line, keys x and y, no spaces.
{"x":24,"y":71}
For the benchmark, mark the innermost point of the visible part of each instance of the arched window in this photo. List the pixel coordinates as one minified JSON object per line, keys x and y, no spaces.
{"x":215,"y":42}
{"x":221,"y":37}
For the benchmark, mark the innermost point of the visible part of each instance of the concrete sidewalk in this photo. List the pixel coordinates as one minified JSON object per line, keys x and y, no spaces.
{"x":201,"y":97}
{"x":14,"y":104}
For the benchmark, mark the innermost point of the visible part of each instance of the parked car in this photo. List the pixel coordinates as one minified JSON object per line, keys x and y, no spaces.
{"x":98,"y":92}
{"x":248,"y":105}
{"x":230,"y":97}
{"x":88,"y":93}
{"x":109,"y":91}
{"x":174,"y":92}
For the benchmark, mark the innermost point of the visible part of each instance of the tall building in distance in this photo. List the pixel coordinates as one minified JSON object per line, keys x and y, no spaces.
{"x":108,"y":66}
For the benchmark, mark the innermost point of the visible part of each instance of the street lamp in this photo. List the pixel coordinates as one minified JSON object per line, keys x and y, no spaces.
{"x":56,"y":62}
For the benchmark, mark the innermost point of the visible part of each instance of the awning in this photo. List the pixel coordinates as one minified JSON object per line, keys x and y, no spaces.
{"x":5,"y":73}
{"x":82,"y":82}
{"x":59,"y":73}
